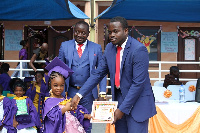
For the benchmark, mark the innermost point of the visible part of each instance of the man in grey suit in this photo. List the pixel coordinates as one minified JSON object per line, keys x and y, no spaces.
{"x":83,"y":57}
{"x":127,"y":61}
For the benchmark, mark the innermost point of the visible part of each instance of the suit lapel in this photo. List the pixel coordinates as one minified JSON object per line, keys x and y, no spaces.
{"x":70,"y":52}
{"x":91,"y":54}
{"x":113,"y":58}
{"x":126,"y":50}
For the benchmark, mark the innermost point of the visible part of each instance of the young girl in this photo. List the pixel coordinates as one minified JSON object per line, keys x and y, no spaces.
{"x":38,"y":91}
{"x":56,"y":105}
{"x":24,"y":114}
{"x":22,"y":56}
{"x":5,"y":114}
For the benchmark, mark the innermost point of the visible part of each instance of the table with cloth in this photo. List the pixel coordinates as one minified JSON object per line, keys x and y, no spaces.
{"x":175,"y":117}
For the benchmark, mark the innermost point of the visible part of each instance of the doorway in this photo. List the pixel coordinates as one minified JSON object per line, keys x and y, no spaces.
{"x":53,"y":35}
{"x":189,"y":51}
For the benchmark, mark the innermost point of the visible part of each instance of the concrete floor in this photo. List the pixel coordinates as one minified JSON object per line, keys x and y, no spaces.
{"x":98,"y":128}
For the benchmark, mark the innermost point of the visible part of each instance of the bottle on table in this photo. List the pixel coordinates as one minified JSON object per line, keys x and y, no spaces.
{"x":181,"y":94}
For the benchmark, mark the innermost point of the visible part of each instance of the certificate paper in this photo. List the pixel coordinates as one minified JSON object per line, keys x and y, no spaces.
{"x":103,"y":111}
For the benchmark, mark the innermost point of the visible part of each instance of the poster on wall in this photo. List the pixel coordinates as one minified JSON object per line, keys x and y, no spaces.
{"x":189,"y":49}
{"x":169,"y":42}
{"x":12,"y":40}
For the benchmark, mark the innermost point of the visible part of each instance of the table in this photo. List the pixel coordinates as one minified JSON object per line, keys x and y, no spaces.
{"x":175,"y":117}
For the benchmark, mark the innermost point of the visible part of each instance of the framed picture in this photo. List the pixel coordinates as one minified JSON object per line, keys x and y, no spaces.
{"x":103,"y":111}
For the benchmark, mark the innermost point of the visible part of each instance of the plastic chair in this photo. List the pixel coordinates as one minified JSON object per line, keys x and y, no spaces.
{"x":159,"y":83}
{"x":175,"y":91}
{"x":159,"y":93}
{"x":189,"y":95}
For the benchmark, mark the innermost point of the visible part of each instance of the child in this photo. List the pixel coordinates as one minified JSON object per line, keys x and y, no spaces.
{"x":5,"y":114}
{"x":23,"y":55}
{"x":27,"y":81}
{"x":38,"y":91}
{"x":4,"y":77}
{"x":24,"y":114}
{"x":55,"y":106}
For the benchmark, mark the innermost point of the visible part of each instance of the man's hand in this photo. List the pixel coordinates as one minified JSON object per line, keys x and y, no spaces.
{"x":102,"y":97}
{"x":117,"y":115}
{"x":74,"y":102}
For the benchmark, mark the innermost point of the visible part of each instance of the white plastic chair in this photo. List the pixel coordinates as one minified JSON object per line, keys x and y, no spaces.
{"x":159,"y":83}
{"x":159,"y":93}
{"x":189,"y":95}
{"x":175,"y":91}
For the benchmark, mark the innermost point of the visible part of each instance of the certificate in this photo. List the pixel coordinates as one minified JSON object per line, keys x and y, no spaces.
{"x":103,"y":111}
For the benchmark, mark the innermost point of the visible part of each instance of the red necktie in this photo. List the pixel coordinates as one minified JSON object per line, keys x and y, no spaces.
{"x":117,"y":72}
{"x":79,"y":50}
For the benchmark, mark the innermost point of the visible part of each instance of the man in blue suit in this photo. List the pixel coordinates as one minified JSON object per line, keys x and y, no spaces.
{"x":82,"y":56}
{"x":127,"y":61}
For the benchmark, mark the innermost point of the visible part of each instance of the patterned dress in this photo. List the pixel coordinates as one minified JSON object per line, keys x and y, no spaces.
{"x":72,"y":124}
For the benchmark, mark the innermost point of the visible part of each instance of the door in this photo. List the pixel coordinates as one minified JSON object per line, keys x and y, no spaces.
{"x":51,"y":35}
{"x":56,"y":36}
{"x":29,"y":34}
{"x":189,"y":51}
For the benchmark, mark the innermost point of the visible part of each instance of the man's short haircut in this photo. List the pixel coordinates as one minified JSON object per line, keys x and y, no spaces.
{"x":122,"y":20}
{"x":84,"y":23}
{"x":173,"y":69}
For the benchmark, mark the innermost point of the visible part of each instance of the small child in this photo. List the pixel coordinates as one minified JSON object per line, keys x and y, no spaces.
{"x":5,"y":114}
{"x":27,"y":81}
{"x":38,"y":90}
{"x":24,"y":114}
{"x":56,"y":105}
{"x":4,"y":77}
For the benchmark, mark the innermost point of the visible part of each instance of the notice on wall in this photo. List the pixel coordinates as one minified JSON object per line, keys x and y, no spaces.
{"x":189,"y":49}
{"x":12,"y":40}
{"x":169,"y":42}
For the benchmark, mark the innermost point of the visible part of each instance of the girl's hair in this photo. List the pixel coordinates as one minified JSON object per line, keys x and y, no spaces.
{"x":19,"y":84}
{"x":5,"y":67}
{"x":23,"y":42}
{"x":41,"y":72}
{"x":52,"y":76}
{"x":12,"y":82}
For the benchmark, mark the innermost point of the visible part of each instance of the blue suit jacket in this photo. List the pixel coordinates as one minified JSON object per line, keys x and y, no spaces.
{"x":134,"y":79}
{"x":95,"y":54}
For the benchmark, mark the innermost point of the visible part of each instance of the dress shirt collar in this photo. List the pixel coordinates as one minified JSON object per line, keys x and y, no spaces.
{"x":84,"y":44}
{"x":124,"y":44}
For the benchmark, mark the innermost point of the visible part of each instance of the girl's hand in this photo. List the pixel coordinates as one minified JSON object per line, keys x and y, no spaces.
{"x":1,"y":127}
{"x":88,"y":116}
{"x":68,"y":106}
{"x":15,"y":123}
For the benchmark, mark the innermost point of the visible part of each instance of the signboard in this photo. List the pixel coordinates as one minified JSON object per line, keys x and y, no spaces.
{"x":12,"y":40}
{"x":169,"y":42}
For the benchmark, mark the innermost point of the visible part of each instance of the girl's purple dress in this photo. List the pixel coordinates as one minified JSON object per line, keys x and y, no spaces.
{"x":23,"y":53}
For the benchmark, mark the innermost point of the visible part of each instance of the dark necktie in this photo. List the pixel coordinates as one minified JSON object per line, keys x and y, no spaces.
{"x":79,"y":50}
{"x":117,"y":72}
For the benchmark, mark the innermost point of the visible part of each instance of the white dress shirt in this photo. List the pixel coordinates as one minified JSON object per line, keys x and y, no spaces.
{"x":121,"y":54}
{"x":83,"y":47}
